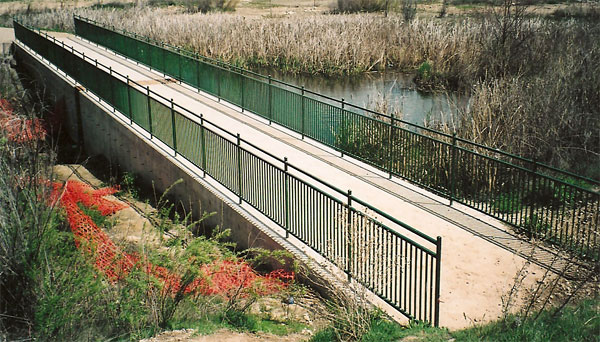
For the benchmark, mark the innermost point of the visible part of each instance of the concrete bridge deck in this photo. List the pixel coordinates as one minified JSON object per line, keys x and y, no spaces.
{"x":480,"y":256}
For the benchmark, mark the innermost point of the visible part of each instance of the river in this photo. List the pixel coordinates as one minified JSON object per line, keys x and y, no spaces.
{"x":397,"y":90}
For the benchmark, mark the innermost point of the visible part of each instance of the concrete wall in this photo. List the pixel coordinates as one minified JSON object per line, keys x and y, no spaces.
{"x":126,"y":149}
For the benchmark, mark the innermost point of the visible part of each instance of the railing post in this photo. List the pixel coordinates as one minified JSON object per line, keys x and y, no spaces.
{"x":129,"y":101}
{"x":239,"y":162}
{"x":303,"y":112}
{"x":149,"y":111}
{"x":349,"y":235}
{"x":242,"y":89}
{"x":270,"y":101}
{"x":164,"y":59}
{"x":391,"y":146}
{"x":173,"y":126}
{"x":197,"y":73}
{"x":180,"y":65}
{"x":287,"y":197}
{"x":438,"y":270}
{"x":112,"y":90}
{"x":343,"y":122}
{"x":533,"y":221}
{"x":203,"y":151}
{"x":453,"y":168}
{"x":218,"y":84}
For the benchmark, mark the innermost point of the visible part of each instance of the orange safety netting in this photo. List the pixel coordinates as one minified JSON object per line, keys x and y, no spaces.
{"x":221,"y":277}
{"x":18,"y":129}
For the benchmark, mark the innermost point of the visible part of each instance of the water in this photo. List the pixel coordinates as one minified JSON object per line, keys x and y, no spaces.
{"x":396,"y":89}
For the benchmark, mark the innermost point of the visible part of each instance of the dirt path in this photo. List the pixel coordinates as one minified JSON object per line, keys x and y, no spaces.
{"x":223,"y":336}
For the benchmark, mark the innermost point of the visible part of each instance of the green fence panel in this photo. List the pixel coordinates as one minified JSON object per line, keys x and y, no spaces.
{"x":221,"y":160}
{"x":209,"y":78}
{"x":256,"y":95}
{"x":322,"y":121}
{"x":121,"y":96}
{"x":171,"y":63}
{"x":139,"y":108}
{"x":162,"y":127}
{"x":145,"y":51}
{"x":318,"y":220}
{"x":132,"y":49}
{"x":157,"y":58}
{"x":263,"y":186}
{"x":189,"y":139}
{"x":117,"y":43}
{"x":230,"y":86}
{"x":286,"y":108}
{"x":87,"y":72}
{"x":102,"y":85}
{"x":189,"y":70}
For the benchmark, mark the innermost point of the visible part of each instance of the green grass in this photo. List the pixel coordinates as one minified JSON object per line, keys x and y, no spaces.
{"x":99,"y":219}
{"x":508,"y":203}
{"x":383,"y":330}
{"x":262,"y":4}
{"x":112,"y":5}
{"x":575,"y":323}
{"x":238,"y":321}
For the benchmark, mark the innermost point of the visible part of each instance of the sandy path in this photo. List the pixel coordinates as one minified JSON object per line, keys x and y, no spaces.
{"x":223,"y":336}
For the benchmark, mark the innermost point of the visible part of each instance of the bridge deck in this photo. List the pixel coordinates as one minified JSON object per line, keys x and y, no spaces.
{"x":480,"y":256}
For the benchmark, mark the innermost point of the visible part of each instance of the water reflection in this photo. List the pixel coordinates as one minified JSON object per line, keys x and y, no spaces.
{"x":397,"y":89}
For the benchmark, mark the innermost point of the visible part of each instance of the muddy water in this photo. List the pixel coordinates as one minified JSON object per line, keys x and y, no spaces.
{"x":397,"y":90}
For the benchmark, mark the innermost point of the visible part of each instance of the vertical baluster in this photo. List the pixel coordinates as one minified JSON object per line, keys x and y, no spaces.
{"x":173,"y":127}
{"x":149,"y":111}
{"x":287,"y":198}
{"x":239,"y":166}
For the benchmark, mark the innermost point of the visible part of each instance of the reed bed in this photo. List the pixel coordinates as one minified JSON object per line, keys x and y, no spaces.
{"x":326,"y":44}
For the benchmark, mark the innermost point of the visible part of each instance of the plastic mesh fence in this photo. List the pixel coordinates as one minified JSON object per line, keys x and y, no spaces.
{"x":221,"y":277}
{"x":18,"y":129}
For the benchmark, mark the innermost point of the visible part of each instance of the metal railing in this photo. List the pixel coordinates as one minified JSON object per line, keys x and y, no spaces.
{"x":403,"y":269}
{"x":541,"y":201}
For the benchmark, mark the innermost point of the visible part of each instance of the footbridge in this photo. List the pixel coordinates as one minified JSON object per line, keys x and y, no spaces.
{"x":363,"y":195}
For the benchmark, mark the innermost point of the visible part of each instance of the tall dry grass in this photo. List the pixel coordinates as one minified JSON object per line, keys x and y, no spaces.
{"x":327,"y":44}
{"x":548,"y":109}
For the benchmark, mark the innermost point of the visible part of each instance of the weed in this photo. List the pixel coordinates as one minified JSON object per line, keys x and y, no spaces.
{"x":128,"y":184}
{"x":97,"y":217}
{"x":535,"y":226}
{"x":576,"y":323}
{"x":324,"y":335}
{"x":508,"y":203}
{"x":350,"y":6}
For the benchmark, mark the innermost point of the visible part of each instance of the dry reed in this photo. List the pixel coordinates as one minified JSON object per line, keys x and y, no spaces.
{"x":327,"y":44}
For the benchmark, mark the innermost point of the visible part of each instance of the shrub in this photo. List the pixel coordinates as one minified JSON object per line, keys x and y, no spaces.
{"x":351,"y":6}
{"x":205,"y":6}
